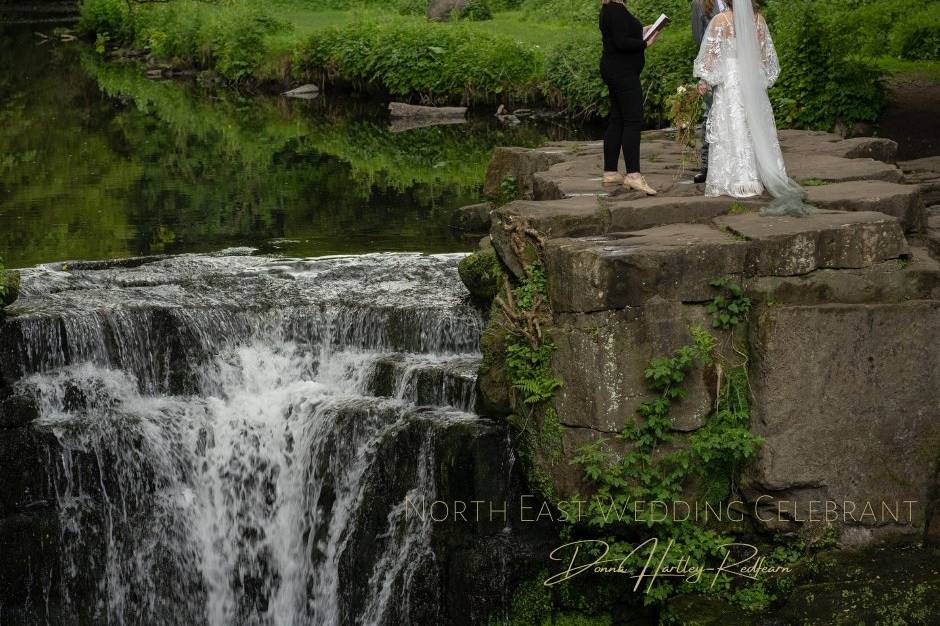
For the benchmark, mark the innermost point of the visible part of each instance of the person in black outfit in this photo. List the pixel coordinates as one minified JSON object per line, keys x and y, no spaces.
{"x":621,"y":64}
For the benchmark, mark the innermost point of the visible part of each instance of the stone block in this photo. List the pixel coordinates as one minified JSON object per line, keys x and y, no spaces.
{"x":847,"y":399}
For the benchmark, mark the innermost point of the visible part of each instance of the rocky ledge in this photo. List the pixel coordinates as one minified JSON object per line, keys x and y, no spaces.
{"x":842,"y":338}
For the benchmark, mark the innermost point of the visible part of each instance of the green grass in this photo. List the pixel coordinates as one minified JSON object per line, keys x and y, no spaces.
{"x":902,"y":68}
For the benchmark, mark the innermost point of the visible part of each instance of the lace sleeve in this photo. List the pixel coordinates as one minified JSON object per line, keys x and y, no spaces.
{"x":768,"y":53}
{"x":708,"y":64}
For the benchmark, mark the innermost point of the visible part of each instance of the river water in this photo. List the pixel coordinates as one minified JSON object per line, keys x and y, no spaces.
{"x":97,"y":161}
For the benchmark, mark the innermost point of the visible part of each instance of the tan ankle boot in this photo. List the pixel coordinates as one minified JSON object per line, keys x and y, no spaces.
{"x":612,"y":178}
{"x":636,"y":181}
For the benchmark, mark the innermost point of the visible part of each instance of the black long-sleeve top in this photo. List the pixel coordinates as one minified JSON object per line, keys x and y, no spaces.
{"x":622,"y":34}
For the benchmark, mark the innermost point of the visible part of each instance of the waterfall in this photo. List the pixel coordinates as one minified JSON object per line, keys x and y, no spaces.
{"x":233,"y":439}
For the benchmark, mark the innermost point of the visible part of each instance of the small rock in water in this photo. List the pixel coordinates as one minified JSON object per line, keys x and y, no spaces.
{"x":304,"y":92}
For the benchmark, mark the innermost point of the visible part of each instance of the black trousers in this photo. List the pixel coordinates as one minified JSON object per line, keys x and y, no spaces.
{"x":625,"y":121}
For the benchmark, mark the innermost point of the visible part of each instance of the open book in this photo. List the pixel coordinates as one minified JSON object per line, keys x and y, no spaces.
{"x":658,"y":25}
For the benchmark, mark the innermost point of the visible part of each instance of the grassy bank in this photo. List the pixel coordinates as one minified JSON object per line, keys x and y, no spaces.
{"x":527,"y":51}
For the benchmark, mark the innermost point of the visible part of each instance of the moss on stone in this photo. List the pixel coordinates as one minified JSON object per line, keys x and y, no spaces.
{"x":482,"y":273}
{"x":9,"y":287}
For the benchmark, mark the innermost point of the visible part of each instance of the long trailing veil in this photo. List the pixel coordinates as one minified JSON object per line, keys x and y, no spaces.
{"x":789,"y":196}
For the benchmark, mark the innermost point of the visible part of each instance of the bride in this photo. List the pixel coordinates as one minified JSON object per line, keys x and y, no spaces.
{"x":738,"y":61}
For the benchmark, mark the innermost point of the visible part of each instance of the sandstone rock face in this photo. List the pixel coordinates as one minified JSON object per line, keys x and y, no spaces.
{"x":601,"y":357}
{"x":520,"y":164}
{"x":847,"y":398}
{"x":842,"y":339}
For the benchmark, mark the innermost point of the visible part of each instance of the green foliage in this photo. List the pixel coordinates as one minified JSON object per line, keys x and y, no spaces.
{"x":572,"y":78}
{"x":654,"y":468}
{"x":530,"y":370}
{"x":437,"y":62}
{"x":109,"y":17}
{"x":532,"y":288}
{"x":477,"y":11}
{"x":586,"y":11}
{"x":730,"y":306}
{"x":916,"y":35}
{"x":228,"y":38}
{"x":482,"y":273}
{"x":530,"y":366}
{"x":508,"y":191}
{"x":872,"y":28}
{"x":819,"y":85}
{"x":668,"y":65}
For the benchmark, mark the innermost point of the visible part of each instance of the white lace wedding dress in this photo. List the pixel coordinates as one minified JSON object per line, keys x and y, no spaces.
{"x":732,"y":162}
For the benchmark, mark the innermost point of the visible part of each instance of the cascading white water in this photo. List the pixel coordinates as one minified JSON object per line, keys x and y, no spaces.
{"x":237,"y":495}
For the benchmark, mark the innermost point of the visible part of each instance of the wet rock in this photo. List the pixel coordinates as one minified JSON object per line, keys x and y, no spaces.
{"x":846,"y":397}
{"x":18,"y":409}
{"x":474,"y":218}
{"x":700,"y":610}
{"x":23,"y":466}
{"x":29,"y":577}
{"x":483,"y":274}
{"x":493,"y":380}
{"x":9,"y":288}
{"x":890,"y":584}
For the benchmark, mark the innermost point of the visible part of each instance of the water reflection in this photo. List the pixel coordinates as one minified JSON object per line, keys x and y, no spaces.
{"x":97,"y":161}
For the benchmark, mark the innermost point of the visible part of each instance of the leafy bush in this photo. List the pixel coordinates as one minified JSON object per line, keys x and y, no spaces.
{"x":819,"y":86}
{"x":573,"y":79}
{"x":668,"y":65}
{"x":917,"y":35}
{"x":109,"y":17}
{"x":477,"y":11}
{"x":434,"y":61}
{"x":229,"y":38}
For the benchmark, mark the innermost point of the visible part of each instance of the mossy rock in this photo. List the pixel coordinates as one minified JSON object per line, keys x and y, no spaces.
{"x":9,"y":287}
{"x":493,"y":380}
{"x":699,"y":610}
{"x":482,"y":273}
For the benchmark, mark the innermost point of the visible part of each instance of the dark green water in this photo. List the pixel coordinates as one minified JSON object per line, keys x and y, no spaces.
{"x":97,"y":161}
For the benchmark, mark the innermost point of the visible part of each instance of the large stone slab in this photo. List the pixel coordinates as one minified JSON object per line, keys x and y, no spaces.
{"x":674,"y":262}
{"x":646,"y":212}
{"x":785,"y":246}
{"x":804,"y":166}
{"x":847,"y":399}
{"x":812,"y":142}
{"x":915,"y":278}
{"x":572,"y":217}
{"x":678,"y":261}
{"x":900,"y":201}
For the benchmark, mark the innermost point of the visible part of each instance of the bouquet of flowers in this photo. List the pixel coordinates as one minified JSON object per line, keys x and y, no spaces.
{"x":686,"y":114}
